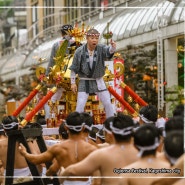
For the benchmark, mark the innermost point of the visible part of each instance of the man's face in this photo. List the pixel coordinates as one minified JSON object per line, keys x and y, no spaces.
{"x":92,"y":40}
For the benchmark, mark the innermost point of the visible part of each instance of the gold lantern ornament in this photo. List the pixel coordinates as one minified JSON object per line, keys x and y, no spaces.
{"x":125,"y":112}
{"x":137,"y":107}
{"x":129,"y":99}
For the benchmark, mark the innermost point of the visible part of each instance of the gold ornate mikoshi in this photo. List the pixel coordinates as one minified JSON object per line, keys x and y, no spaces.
{"x":109,"y":76}
{"x":60,"y":76}
{"x":70,"y":96}
{"x":119,"y":67}
{"x":79,"y":32}
{"x":40,"y":72}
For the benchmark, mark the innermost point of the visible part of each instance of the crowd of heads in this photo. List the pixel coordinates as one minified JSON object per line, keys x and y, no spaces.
{"x":146,"y":135}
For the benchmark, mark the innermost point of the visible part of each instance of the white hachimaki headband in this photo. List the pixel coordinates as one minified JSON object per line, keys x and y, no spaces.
{"x":91,"y":138}
{"x":171,"y":159}
{"x":148,"y":148}
{"x":100,"y":136}
{"x":2,"y":130}
{"x":76,"y":128}
{"x":10,"y":125}
{"x":106,"y":130}
{"x":87,"y":127}
{"x":93,"y":34}
{"x":123,"y":132}
{"x":145,"y":119}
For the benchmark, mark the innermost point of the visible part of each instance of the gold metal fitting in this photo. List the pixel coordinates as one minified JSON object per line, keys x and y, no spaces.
{"x":123,"y":85}
{"x":54,"y":90}
{"x":23,"y":123}
{"x":38,"y":87}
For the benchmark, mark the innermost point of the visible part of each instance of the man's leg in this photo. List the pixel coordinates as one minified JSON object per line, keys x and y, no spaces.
{"x":104,"y":97}
{"x":54,"y":98}
{"x":47,"y":111}
{"x":81,"y":101}
{"x":57,"y":95}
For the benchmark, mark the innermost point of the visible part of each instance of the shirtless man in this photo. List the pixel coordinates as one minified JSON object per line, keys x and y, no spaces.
{"x":67,"y":152}
{"x":88,"y":120}
{"x":20,"y":165}
{"x":146,"y":140}
{"x":173,"y":181}
{"x":100,"y":137}
{"x":109,"y":138}
{"x":174,"y":151}
{"x":109,"y":158}
{"x":173,"y":124}
{"x":1,"y":173}
{"x":2,"y":137}
{"x":92,"y":136}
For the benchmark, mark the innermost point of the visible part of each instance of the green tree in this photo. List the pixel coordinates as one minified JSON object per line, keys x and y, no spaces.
{"x":4,"y":11}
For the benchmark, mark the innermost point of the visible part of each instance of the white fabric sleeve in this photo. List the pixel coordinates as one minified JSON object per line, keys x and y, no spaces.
{"x":73,"y":77}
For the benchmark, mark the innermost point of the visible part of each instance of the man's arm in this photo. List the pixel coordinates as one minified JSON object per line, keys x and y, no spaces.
{"x":112,"y":48}
{"x":109,"y":50}
{"x":123,"y":181}
{"x":54,"y":168}
{"x":36,"y":158}
{"x":73,"y":82}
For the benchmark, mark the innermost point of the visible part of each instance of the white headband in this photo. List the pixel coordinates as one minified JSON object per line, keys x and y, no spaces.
{"x":106,"y":130}
{"x":1,"y":130}
{"x":148,"y":148}
{"x":87,"y":127}
{"x":122,"y":132}
{"x":145,"y":119}
{"x":93,"y":34}
{"x":76,"y":128}
{"x":100,"y":136}
{"x":10,"y":125}
{"x":91,"y":138}
{"x":171,"y":159}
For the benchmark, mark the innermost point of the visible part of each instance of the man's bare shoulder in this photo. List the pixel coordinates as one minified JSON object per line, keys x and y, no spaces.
{"x":67,"y":144}
{"x":102,"y":145}
{"x":103,"y":151}
{"x":3,"y":142}
{"x":89,"y":146}
{"x":180,"y":182}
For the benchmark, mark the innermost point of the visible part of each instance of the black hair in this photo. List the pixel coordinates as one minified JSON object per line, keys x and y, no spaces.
{"x":2,"y":130}
{"x":88,"y":120}
{"x":174,"y":123}
{"x":179,"y":110}
{"x":150,"y":112}
{"x":8,"y":120}
{"x":122,"y":121}
{"x":100,"y":135}
{"x":106,"y":123}
{"x":63,"y":131}
{"x":174,"y":143}
{"x":65,"y":28}
{"x":93,"y":132}
{"x":146,"y":135}
{"x":74,"y":119}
